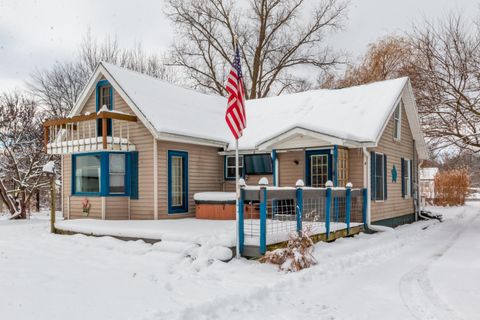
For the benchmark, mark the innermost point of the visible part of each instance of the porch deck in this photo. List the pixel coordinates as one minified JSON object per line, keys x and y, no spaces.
{"x":195,"y":231}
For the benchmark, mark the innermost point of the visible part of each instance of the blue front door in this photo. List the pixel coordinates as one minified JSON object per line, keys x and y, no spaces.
{"x":177,"y":181}
{"x":318,"y":166}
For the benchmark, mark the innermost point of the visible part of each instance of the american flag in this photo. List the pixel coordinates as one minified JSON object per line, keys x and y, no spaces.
{"x":235,"y":117}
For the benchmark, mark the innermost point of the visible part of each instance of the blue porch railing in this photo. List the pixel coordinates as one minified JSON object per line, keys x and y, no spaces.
{"x":269,"y":214}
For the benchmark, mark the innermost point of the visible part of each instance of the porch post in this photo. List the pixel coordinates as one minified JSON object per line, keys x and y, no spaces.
{"x":365,"y":205}
{"x":299,"y":195}
{"x":348,"y":205}
{"x":263,"y":219}
{"x":104,"y":133}
{"x":328,"y":205}
{"x":241,"y":222}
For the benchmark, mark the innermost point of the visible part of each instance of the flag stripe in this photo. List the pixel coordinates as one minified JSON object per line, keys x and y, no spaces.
{"x":235,"y":116}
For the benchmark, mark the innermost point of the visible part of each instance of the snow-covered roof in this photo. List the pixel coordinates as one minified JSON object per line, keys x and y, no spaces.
{"x":428,"y":173}
{"x":357,"y":114}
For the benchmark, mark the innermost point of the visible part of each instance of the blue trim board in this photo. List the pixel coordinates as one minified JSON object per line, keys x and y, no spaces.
{"x":184,"y":207}
{"x":310,"y":153}
{"x":130,"y":181}
{"x":335,"y":166}
{"x":274,"y":167}
{"x":100,"y":84}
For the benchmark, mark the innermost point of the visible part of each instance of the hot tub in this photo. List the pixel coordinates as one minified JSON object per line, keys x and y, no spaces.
{"x":215,"y":205}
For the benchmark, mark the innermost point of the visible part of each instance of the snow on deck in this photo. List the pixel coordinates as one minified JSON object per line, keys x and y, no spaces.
{"x":199,"y":231}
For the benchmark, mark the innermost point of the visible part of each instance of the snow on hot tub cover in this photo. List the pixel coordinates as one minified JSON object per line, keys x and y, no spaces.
{"x":214,"y":196}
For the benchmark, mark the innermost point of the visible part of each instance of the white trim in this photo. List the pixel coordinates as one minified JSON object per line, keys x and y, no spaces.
{"x":129,"y":208}
{"x":174,"y":137}
{"x":397,"y":134}
{"x":367,"y":182}
{"x":104,"y":204}
{"x":63,"y":184}
{"x":329,"y":139}
{"x":155,"y":179}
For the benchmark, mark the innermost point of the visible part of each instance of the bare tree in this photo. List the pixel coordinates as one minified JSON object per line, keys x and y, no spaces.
{"x":21,"y":152}
{"x":275,"y":38}
{"x":57,"y":89}
{"x":447,"y":89}
{"x":388,"y":58}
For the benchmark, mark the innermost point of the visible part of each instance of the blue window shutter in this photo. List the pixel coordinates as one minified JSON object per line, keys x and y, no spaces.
{"x":372,"y":176}
{"x":385,"y":180}
{"x":403,"y":177}
{"x":134,"y":175}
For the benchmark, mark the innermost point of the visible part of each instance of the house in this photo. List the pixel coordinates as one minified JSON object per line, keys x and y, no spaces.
{"x":427,"y":184}
{"x":135,"y":147}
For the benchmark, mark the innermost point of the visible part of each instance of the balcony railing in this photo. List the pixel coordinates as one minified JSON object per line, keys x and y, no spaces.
{"x":81,"y":133}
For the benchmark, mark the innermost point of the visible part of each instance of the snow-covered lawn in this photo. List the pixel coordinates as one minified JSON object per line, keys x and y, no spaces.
{"x":427,"y":270}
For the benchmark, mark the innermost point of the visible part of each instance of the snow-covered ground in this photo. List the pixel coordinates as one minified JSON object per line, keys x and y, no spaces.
{"x":427,"y":270}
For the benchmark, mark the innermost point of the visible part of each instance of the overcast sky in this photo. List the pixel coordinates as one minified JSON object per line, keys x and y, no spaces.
{"x":36,"y":33}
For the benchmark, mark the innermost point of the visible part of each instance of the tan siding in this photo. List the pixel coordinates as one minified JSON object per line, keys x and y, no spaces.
{"x":141,"y":137}
{"x":289,"y":172}
{"x":395,"y":205}
{"x":142,"y":208}
{"x":205,"y":172}
{"x":116,"y":208}
{"x":355,"y":167}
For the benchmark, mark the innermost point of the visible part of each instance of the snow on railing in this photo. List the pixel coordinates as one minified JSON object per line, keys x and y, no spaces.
{"x":81,"y":133}
{"x":269,"y":214}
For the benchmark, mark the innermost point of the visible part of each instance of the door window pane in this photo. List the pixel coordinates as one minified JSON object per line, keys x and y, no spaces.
{"x":87,"y":173}
{"x":177,"y":181}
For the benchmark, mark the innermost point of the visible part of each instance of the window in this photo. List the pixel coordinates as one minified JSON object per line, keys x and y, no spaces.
{"x":397,"y":121}
{"x":407,"y":178}
{"x":117,"y":166}
{"x":258,"y":164}
{"x":230,"y":167}
{"x":177,"y":181}
{"x":379,"y":178}
{"x":87,"y":174}
{"x":318,"y":170}
{"x":105,"y":174}
{"x":342,"y":167}
{"x":104,"y":96}
{"x":177,"y":185}
{"x":104,"y":93}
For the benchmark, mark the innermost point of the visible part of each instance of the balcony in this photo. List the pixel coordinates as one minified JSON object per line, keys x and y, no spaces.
{"x":102,"y":131}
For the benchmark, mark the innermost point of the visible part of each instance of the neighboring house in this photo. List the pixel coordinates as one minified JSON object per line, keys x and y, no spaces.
{"x":427,"y":184}
{"x":157,"y":144}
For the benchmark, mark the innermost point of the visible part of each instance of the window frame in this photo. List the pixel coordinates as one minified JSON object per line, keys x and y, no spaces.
{"x":104,"y":175}
{"x":100,"y":85}
{"x":308,"y":158}
{"x":407,"y":178}
{"x":397,"y":122}
{"x":241,"y":162}
{"x":185,"y":188}
{"x":125,"y":174}
{"x":74,"y":175}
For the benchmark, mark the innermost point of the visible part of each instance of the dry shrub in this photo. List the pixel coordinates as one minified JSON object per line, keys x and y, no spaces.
{"x":451,"y":187}
{"x":296,"y":256}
